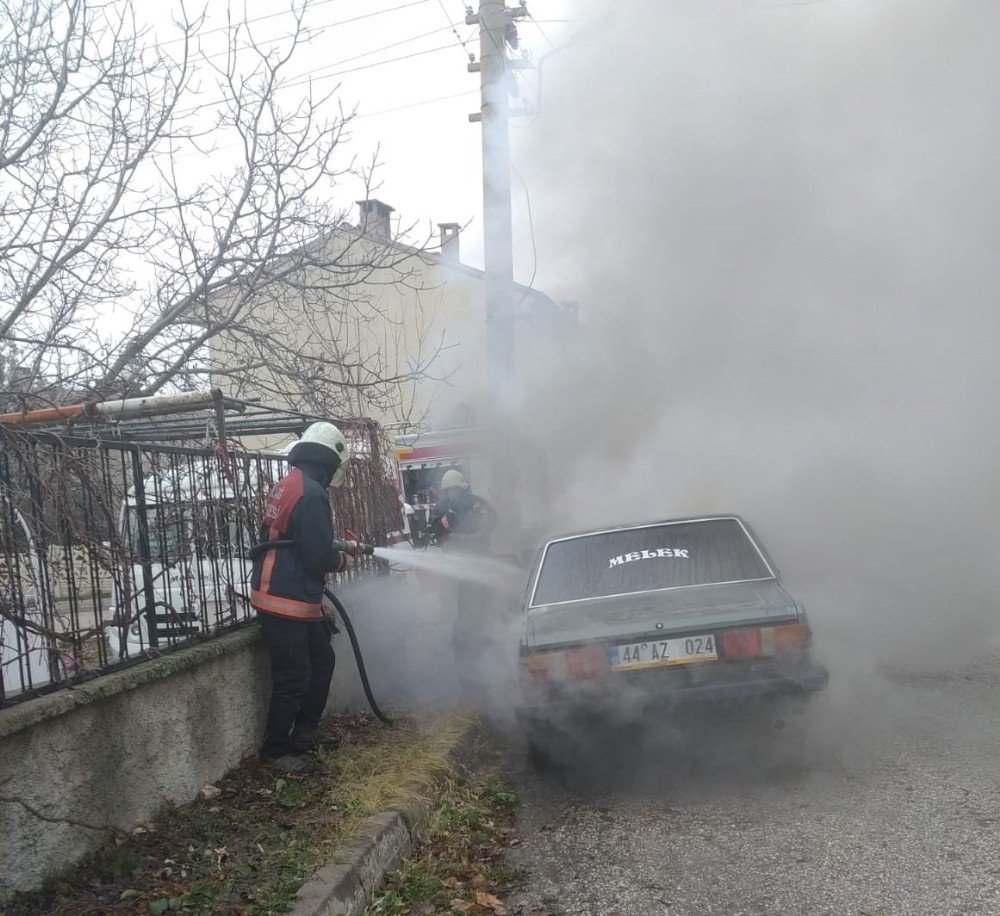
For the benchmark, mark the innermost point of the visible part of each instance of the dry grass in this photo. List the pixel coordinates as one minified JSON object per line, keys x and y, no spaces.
{"x":402,"y":768}
{"x":460,"y":866}
{"x":250,"y":850}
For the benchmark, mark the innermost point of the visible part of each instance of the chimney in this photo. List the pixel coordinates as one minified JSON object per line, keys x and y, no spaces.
{"x":375,"y":219}
{"x":450,"y":242}
{"x":20,"y":378}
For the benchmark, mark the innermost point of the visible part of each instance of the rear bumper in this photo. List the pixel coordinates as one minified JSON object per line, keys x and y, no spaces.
{"x":611,"y":696}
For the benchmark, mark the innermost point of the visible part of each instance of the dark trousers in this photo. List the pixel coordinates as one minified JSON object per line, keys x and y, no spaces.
{"x":302,"y":663}
{"x":471,"y":638}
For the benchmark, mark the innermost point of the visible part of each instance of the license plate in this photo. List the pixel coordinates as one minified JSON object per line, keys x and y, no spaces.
{"x":657,"y":652}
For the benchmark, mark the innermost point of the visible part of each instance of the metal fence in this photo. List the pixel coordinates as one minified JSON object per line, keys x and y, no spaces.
{"x":113,"y":552}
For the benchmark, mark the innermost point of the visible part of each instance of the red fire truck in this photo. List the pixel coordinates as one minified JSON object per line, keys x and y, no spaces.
{"x":423,"y":458}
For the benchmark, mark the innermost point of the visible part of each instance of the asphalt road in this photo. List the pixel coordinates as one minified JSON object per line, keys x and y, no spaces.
{"x":884,"y":800}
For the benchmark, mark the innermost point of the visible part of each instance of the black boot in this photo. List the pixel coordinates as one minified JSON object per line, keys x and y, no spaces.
{"x":286,"y":763}
{"x":312,"y":739}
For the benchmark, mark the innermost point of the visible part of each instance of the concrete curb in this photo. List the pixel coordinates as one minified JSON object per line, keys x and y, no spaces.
{"x":349,"y":881}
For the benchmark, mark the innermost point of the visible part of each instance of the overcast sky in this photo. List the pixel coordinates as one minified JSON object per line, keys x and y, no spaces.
{"x":430,"y":151}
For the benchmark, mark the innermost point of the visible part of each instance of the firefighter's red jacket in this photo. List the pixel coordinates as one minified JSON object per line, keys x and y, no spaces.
{"x":288,"y":581}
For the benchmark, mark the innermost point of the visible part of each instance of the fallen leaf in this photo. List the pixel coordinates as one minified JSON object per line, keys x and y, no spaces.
{"x":489,"y":902}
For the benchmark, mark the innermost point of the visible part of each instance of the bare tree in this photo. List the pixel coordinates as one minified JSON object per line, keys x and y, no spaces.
{"x":166,"y":215}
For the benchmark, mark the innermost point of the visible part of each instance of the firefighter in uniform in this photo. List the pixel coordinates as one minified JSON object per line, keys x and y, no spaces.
{"x":461,"y":520}
{"x":462,"y":523}
{"x":287,"y":592}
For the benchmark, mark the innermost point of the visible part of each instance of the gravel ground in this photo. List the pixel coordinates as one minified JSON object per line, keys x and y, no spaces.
{"x":883,"y":800}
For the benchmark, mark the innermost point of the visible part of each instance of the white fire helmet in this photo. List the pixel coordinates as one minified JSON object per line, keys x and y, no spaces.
{"x":453,"y":478}
{"x":330,"y":439}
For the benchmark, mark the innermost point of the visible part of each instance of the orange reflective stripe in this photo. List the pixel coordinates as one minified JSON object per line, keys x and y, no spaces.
{"x":269,"y":560}
{"x":263,"y":600}
{"x":286,"y":607}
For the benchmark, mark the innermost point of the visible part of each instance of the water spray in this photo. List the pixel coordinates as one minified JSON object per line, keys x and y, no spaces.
{"x":494,"y":574}
{"x":487,"y":571}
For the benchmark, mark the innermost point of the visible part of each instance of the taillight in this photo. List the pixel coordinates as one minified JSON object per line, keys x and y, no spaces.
{"x":741,"y":643}
{"x":566,"y":664}
{"x":786,"y":639}
{"x":544,"y":666}
{"x":752,"y":642}
{"x":587,"y":662}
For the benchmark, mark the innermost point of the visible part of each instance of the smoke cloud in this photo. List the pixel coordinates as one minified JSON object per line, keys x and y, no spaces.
{"x":780,"y":221}
{"x":441,"y":630}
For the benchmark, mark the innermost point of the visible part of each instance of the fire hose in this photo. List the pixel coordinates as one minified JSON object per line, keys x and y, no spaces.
{"x":355,"y":549}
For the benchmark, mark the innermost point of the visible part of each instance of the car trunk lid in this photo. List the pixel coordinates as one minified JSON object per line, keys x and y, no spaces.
{"x":660,"y":613}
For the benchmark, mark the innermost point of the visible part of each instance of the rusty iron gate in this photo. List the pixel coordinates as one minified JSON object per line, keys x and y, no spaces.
{"x":113,"y":552}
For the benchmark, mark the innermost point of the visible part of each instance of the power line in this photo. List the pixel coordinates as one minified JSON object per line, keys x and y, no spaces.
{"x":440,"y":98}
{"x":500,"y":48}
{"x":389,"y":47}
{"x":317,"y":31}
{"x":311,"y":6}
{"x":349,"y":118}
{"x":378,"y":63}
{"x":531,"y":231}
{"x":307,"y":79}
{"x":300,"y":78}
{"x":538,"y":26}
{"x":570,"y":42}
{"x":455,"y":30}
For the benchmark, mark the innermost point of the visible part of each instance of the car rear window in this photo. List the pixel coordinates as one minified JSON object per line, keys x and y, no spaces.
{"x":643,"y":559}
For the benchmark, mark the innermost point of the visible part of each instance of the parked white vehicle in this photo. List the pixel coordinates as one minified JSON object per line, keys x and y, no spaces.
{"x":198,"y":530}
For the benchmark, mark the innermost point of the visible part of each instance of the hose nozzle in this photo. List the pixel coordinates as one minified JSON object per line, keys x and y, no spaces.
{"x":355,"y":548}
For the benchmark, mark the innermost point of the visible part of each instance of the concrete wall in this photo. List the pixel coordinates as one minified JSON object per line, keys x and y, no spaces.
{"x":109,"y":753}
{"x":112,"y":751}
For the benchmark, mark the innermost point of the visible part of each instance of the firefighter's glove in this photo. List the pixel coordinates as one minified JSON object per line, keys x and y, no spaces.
{"x":346,"y":561}
{"x":351,"y":547}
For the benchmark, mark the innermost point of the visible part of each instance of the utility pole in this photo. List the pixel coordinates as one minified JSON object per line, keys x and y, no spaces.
{"x":496,"y":31}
